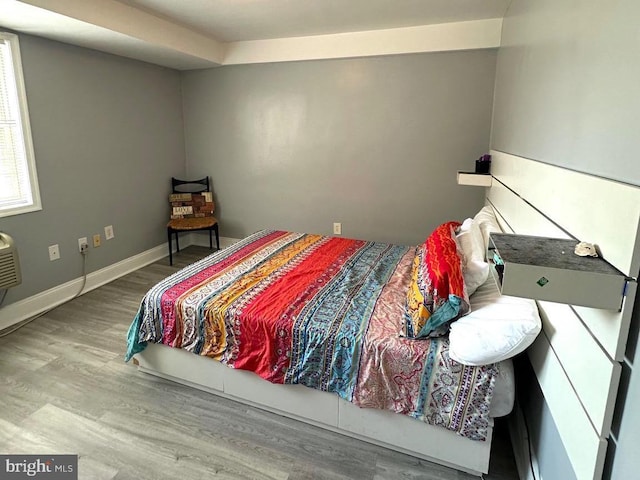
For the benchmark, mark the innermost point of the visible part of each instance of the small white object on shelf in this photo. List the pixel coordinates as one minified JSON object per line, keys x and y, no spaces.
{"x":474,"y":179}
{"x":585,"y":249}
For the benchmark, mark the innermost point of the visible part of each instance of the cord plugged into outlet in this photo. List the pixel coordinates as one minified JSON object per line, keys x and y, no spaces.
{"x":83,"y":245}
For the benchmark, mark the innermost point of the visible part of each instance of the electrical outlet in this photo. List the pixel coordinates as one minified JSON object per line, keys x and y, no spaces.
{"x":54,"y":252}
{"x":83,"y":244}
{"x":337,"y":229}
{"x":96,"y":240}
{"x":108,"y":232}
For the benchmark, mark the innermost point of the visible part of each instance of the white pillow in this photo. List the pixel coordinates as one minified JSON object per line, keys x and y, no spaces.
{"x":476,"y":243}
{"x":474,"y":269}
{"x":504,"y":392}
{"x":487,"y":222}
{"x":498,"y":327}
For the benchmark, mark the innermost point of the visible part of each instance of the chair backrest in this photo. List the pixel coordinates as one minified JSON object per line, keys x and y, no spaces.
{"x":189,"y":186}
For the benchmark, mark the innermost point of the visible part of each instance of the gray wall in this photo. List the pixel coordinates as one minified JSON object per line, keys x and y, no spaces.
{"x":373,"y":143}
{"x":568,"y":93}
{"x":567,"y":85}
{"x":108,"y":134}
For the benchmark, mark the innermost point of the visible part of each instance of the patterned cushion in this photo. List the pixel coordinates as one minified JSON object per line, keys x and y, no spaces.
{"x":191,"y":205}
{"x":437,"y":295}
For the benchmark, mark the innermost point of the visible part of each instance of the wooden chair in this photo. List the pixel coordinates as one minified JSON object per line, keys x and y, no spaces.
{"x":192,"y":209}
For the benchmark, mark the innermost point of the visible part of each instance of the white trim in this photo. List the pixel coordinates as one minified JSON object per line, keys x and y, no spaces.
{"x":202,"y":240}
{"x":471,"y":35}
{"x":136,"y":23}
{"x":30,"y":158}
{"x":29,"y":307}
{"x":21,"y":310}
{"x":122,"y":29}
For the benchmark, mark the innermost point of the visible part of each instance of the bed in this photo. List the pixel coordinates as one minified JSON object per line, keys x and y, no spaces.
{"x":525,"y":197}
{"x":329,"y":313}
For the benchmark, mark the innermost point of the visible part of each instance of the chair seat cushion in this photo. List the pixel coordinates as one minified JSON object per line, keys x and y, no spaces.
{"x":192,"y":223}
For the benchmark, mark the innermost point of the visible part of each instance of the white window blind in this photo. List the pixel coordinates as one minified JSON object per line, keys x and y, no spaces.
{"x":18,"y":180}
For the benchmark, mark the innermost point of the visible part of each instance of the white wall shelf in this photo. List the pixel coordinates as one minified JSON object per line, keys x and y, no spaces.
{"x":475,"y":179}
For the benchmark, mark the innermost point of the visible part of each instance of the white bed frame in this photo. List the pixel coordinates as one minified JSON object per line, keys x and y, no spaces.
{"x":577,"y":357}
{"x":326,"y":410}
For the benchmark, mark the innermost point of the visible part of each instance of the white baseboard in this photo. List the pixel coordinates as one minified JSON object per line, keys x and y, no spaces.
{"x":520,"y":444}
{"x":21,"y":310}
{"x":202,"y":240}
{"x":29,"y":307}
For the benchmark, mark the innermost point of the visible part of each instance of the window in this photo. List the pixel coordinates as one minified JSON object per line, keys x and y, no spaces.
{"x":18,"y":181}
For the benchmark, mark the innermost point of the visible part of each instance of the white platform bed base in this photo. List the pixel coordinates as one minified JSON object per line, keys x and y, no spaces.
{"x":322,"y":409}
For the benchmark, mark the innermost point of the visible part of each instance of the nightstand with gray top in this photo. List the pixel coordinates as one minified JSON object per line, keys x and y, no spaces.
{"x":545,"y":268}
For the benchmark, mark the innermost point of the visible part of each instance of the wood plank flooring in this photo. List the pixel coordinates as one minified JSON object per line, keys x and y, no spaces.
{"x":64,"y":388}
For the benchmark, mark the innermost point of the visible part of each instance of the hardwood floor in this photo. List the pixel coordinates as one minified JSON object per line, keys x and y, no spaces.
{"x":64,"y":388}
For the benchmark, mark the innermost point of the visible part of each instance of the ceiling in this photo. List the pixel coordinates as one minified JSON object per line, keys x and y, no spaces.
{"x":187,"y":34}
{"x":238,"y":20}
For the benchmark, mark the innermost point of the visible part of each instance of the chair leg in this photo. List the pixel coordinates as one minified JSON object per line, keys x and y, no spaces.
{"x":217,"y":237}
{"x":177,"y":243}
{"x":210,"y":240}
{"x":170,"y":249}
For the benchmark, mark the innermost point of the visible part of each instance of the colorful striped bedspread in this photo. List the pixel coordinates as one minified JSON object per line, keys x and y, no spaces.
{"x":324,"y":312}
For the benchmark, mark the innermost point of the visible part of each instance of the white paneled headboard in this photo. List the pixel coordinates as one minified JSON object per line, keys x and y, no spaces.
{"x":577,"y":356}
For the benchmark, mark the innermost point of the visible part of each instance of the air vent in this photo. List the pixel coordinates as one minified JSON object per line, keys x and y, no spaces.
{"x":9,"y":263}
